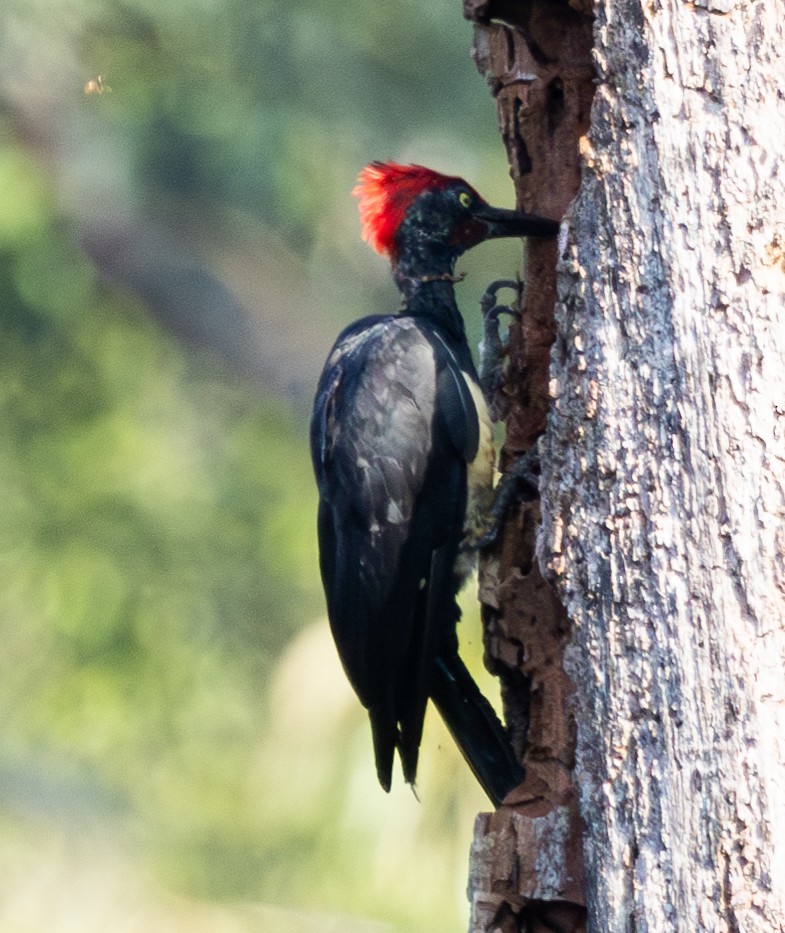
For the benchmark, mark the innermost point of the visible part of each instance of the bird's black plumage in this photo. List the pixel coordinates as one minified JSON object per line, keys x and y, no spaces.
{"x":394,"y":429}
{"x":400,"y":439}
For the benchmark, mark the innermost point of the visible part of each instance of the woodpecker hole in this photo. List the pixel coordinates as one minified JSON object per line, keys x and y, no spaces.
{"x":509,"y":44}
{"x":518,"y":146}
{"x":534,"y":49}
{"x":555,"y":106}
{"x":516,"y":700}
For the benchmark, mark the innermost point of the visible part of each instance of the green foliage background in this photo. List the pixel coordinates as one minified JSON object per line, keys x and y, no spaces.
{"x":178,"y":747}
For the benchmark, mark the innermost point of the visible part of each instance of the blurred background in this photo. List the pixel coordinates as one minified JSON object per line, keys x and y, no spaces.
{"x":178,"y":248}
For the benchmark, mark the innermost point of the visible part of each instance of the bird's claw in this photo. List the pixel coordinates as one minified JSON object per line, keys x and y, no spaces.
{"x":488,"y":300}
{"x":493,"y":347}
{"x":521,"y":483}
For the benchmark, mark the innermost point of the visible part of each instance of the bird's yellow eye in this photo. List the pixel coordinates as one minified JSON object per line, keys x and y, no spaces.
{"x":465,"y":198}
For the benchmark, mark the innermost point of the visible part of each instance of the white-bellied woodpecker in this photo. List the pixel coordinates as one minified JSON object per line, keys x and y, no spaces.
{"x":403,"y":455}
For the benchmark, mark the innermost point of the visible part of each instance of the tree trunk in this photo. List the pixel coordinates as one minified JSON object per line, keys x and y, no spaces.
{"x":663,"y":488}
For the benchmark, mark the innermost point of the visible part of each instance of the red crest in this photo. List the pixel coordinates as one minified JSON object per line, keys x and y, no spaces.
{"x":386,"y":191}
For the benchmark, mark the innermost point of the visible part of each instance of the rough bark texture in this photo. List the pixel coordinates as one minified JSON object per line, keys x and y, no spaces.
{"x":527,"y":863}
{"x":664,"y":468}
{"x":663,"y":473}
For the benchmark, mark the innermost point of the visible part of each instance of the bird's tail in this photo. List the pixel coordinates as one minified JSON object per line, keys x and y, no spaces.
{"x":476,"y":728}
{"x":384,"y":729}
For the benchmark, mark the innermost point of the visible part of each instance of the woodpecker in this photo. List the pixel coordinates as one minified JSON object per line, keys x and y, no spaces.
{"x":403,"y":456}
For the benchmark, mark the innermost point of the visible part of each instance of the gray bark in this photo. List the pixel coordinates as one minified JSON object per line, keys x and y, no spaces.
{"x":663,"y":490}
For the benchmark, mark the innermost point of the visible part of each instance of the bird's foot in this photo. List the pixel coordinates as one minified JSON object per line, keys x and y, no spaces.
{"x":493,"y":346}
{"x":521,"y":483}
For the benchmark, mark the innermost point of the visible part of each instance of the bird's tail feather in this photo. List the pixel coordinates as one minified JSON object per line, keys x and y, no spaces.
{"x":476,"y":728}
{"x":385,"y":738}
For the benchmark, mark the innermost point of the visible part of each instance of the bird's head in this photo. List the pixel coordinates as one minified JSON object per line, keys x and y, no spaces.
{"x":425,"y":220}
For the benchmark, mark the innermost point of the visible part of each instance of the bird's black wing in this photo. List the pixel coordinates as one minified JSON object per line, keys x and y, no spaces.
{"x":394,"y":424}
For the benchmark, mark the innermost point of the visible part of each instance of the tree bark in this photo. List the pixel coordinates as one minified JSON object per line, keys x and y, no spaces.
{"x":663,"y":487}
{"x":527,"y":862}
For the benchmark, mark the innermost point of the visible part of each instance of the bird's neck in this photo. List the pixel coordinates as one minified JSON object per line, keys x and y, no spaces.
{"x":430,"y":293}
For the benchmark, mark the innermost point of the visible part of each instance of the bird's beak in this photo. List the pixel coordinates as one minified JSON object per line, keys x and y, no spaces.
{"x":501,"y":222}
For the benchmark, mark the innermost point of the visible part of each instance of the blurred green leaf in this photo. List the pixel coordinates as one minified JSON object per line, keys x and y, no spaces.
{"x":177,"y":249}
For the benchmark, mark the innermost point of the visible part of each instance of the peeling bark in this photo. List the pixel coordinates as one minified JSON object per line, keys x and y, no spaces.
{"x":527,"y":863}
{"x":663,"y":489}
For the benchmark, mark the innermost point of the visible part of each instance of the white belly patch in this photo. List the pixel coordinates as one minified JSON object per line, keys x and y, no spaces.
{"x":480,"y":471}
